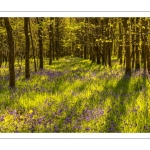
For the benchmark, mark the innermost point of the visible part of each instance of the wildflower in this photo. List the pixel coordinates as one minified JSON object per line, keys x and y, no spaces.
{"x":87,"y":118}
{"x":1,"y":118}
{"x":87,"y":128}
{"x":13,"y":112}
{"x":40,"y":120}
{"x":111,"y":129}
{"x":56,"y":129}
{"x":67,"y":120}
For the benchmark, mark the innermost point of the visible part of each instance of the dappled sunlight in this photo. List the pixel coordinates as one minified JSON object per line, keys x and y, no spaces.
{"x":79,"y":97}
{"x":75,"y":75}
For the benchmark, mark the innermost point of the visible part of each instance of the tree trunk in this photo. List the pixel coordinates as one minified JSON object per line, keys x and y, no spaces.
{"x":145,"y":48}
{"x":0,"y":58}
{"x":109,"y":53}
{"x":57,"y":38}
{"x":133,"y":45}
{"x":85,"y":49}
{"x":148,"y":52}
{"x":128,"y":57}
{"x":50,"y":41}
{"x":93,"y":54}
{"x":35,"y":67}
{"x":27,"y":63}
{"x":40,"y":41}
{"x":54,"y":39}
{"x":145,"y":45}
{"x":105,"y":53}
{"x":50,"y":51}
{"x":127,"y":26}
{"x":137,"y":51}
{"x":120,"y":44}
{"x":97,"y":54}
{"x":11,"y":52}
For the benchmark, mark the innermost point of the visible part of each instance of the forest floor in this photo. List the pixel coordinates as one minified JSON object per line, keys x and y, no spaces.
{"x":75,"y":95}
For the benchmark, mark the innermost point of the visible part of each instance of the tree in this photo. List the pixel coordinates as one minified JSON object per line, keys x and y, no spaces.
{"x":137,"y":51}
{"x":27,"y":63}
{"x":50,"y":40}
{"x":57,"y":37}
{"x":11,"y":52}
{"x":148,"y":51}
{"x":127,"y":27}
{"x":120,"y":43}
{"x":39,"y":21}
{"x":33,"y":48}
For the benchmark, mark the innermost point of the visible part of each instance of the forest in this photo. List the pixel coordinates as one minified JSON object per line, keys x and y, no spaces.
{"x":74,"y":75}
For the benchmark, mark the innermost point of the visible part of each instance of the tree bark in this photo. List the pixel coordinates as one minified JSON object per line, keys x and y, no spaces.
{"x":35,"y":67}
{"x":137,"y":51}
{"x":27,"y":49}
{"x":109,"y":54}
{"x":97,"y":54}
{"x":11,"y":52}
{"x":39,"y":21}
{"x":57,"y":38}
{"x":148,"y":52}
{"x":50,"y":41}
{"x":127,"y":26}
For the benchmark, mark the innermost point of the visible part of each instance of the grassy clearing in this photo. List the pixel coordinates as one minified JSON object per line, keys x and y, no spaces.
{"x":75,"y":95}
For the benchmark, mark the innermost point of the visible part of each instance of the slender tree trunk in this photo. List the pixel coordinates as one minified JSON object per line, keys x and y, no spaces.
{"x":103,"y":58}
{"x":40,"y":41}
{"x":85,"y":38}
{"x":137,"y":51}
{"x":148,"y":52}
{"x":50,"y":52}
{"x":85,"y":50}
{"x":90,"y":52}
{"x":128,"y":57}
{"x":120,"y":45}
{"x":27,"y":63}
{"x":105,"y":53}
{"x":145,"y":48}
{"x":133,"y":45}
{"x":109,"y":54}
{"x":0,"y":58}
{"x":50,"y":42}
{"x":120,"y":54}
{"x":88,"y":45}
{"x":93,"y":53}
{"x":128,"y":53}
{"x":11,"y":52}
{"x":54,"y":48}
{"x":98,"y":54}
{"x":145,"y":45}
{"x":35,"y":67}
{"x":57,"y":38}
{"x":109,"y":44}
{"x":127,"y":26}
{"x":133,"y":56}
{"x":81,"y":53}
{"x":148,"y":61}
{"x":54,"y":38}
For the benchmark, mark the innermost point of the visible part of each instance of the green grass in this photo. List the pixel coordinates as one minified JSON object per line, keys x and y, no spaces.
{"x":75,"y":95}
